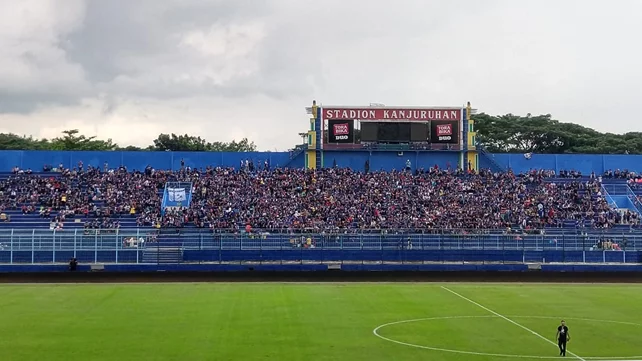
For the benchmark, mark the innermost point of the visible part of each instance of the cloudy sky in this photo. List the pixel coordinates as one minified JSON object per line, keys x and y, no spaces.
{"x":227,"y":69}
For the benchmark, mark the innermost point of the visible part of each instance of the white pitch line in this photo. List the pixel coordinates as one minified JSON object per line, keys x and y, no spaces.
{"x":509,"y":320}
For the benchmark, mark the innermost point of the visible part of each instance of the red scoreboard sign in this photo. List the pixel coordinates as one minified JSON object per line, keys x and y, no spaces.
{"x":392,"y":114}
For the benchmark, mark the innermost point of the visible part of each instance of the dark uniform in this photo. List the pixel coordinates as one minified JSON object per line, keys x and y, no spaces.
{"x":562,"y":338}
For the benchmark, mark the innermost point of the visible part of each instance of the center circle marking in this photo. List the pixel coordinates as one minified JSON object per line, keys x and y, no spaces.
{"x":463,"y":352}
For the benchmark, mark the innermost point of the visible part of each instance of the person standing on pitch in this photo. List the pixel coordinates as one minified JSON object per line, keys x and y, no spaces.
{"x":562,"y":338}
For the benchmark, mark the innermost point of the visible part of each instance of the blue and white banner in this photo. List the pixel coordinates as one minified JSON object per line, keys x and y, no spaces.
{"x":176,"y":194}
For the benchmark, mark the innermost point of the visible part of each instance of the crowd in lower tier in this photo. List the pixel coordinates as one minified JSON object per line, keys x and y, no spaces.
{"x":321,"y":200}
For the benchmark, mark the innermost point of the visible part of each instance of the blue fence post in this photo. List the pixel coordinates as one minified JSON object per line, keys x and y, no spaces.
{"x":301,"y":248}
{"x":563,"y":247}
{"x":11,"y":247}
{"x":260,"y":249}
{"x":504,"y":248}
{"x":117,"y":249}
{"x":53,"y":247}
{"x":95,"y":246}
{"x":280,"y":250}
{"x":75,"y":234}
{"x":33,"y":245}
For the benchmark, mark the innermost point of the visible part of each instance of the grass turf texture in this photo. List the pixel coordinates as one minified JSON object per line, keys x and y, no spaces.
{"x":253,"y":321}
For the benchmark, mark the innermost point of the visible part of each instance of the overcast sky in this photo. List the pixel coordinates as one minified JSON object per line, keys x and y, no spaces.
{"x":228,"y":69}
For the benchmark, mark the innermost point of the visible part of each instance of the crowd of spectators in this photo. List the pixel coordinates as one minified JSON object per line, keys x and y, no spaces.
{"x":330,"y":200}
{"x":621,"y":174}
{"x":97,"y":197}
{"x":334,"y":199}
{"x":635,"y":182}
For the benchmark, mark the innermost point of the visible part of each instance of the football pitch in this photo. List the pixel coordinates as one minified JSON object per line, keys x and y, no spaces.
{"x":318,"y":321}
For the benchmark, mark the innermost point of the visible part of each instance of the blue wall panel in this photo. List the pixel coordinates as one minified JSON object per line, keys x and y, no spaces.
{"x":318,"y":267}
{"x":171,"y":160}
{"x":400,"y":256}
{"x":586,"y":163}
{"x":140,"y":160}
{"x":379,"y":160}
{"x":299,"y":161}
{"x":136,"y":160}
{"x":356,"y":160}
{"x":319,"y":255}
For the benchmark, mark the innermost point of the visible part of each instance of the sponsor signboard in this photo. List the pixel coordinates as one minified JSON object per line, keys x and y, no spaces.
{"x":340,"y":131}
{"x":444,"y":132}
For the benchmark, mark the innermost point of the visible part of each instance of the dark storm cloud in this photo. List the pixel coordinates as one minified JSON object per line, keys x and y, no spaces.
{"x":122,"y":39}
{"x":119,"y":36}
{"x":25,"y":103}
{"x":229,"y":69}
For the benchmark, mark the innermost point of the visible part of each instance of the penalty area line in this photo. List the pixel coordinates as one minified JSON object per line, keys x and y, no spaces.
{"x":509,"y":320}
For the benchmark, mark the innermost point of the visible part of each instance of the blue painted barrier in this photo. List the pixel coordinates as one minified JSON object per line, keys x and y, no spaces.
{"x":586,"y":163}
{"x":320,"y":268}
{"x":328,"y":256}
{"x":269,"y":268}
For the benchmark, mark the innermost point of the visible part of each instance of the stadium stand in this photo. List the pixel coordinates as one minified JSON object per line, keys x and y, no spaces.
{"x":324,"y":200}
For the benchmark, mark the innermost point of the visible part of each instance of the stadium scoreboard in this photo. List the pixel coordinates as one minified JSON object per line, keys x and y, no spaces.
{"x":393,"y":125}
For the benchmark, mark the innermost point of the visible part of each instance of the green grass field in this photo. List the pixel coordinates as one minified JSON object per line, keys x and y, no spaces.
{"x":271,"y":321}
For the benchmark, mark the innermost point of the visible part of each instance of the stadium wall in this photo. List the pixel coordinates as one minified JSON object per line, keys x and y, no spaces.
{"x":370,"y":258}
{"x":586,"y":163}
{"x":389,"y":160}
{"x":225,"y":268}
{"x":379,"y":160}
{"x":135,"y":160}
{"x":386,"y":160}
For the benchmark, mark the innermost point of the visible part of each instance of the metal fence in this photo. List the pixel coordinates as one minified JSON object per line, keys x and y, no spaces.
{"x":148,"y":245}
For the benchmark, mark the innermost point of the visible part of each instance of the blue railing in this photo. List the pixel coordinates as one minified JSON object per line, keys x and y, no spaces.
{"x":143,"y":245}
{"x":608,"y":197}
{"x":495,"y":166}
{"x":634,"y":199}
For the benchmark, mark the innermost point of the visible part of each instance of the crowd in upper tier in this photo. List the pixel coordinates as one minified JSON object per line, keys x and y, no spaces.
{"x":326,"y":200}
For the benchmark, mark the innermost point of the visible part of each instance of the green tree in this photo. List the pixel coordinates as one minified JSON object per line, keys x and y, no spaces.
{"x":244,"y":145}
{"x":73,"y":141}
{"x":541,"y":134}
{"x":188,"y":143}
{"x":10,"y":141}
{"x":132,"y":148}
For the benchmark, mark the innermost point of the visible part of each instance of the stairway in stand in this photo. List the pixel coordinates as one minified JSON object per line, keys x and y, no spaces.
{"x":168,"y":249}
{"x":165,"y":255}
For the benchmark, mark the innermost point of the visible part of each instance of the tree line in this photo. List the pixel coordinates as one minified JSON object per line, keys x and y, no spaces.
{"x":496,"y":133}
{"x":542,"y":134}
{"x":73,"y":140}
